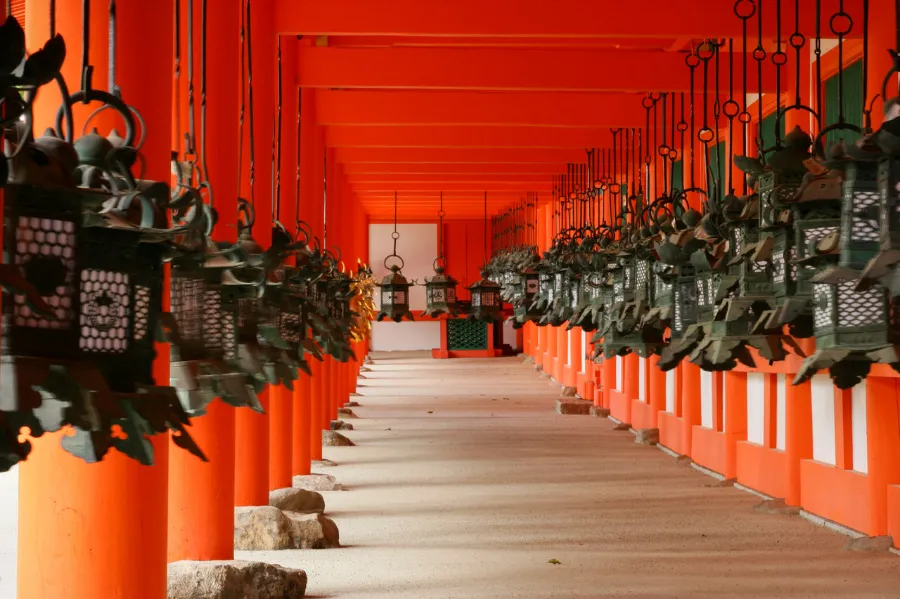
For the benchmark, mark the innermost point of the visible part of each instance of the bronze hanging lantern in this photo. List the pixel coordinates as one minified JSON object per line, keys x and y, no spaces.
{"x":82,"y":279}
{"x":486,"y":302}
{"x":394,"y":286}
{"x":440,"y":290}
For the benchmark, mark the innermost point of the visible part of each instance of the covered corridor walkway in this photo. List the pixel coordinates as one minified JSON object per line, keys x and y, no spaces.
{"x":464,"y":484}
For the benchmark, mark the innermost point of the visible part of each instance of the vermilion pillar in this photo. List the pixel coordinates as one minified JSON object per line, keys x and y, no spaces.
{"x":300,"y":432}
{"x":281,"y":420}
{"x":201,"y":495}
{"x":281,"y":404}
{"x":735,"y":418}
{"x":315,"y":422}
{"x":630,"y":374}
{"x":690,"y":402}
{"x":656,"y":390}
{"x":798,"y":435}
{"x":253,"y":430}
{"x":68,"y":509}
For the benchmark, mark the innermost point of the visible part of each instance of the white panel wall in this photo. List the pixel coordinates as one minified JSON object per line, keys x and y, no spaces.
{"x":781,"y":412}
{"x":860,"y":430}
{"x":670,"y":391}
{"x":510,"y":336}
{"x":823,"y":419}
{"x":706,"y":399}
{"x":418,"y":248}
{"x":756,"y":408}
{"x":642,"y":380}
{"x":620,"y":373}
{"x":406,"y":335}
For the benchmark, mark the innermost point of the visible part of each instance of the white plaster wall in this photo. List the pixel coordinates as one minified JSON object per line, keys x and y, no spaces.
{"x":620,"y":373}
{"x":860,"y":429}
{"x":823,"y":419}
{"x":406,"y":335}
{"x":706,"y":399}
{"x":670,"y":391}
{"x":781,"y":412}
{"x":418,"y":248}
{"x":510,"y":337}
{"x":642,"y":379}
{"x":756,"y":408}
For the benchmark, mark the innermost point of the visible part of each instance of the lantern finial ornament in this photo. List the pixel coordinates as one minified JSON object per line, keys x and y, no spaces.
{"x":394,"y":286}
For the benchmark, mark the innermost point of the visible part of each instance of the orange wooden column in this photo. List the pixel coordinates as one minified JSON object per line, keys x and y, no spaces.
{"x":630,"y":374}
{"x":251,"y":466}
{"x":300,"y":433}
{"x":281,"y":422}
{"x":327,"y":392}
{"x":798,"y":442}
{"x":690,"y":403}
{"x":201,"y":496}
{"x":315,"y":422}
{"x":656,"y":390}
{"x":735,"y":418}
{"x":65,"y":504}
{"x":608,"y":380}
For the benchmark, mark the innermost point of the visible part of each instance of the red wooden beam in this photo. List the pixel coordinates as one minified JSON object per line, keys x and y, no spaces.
{"x":439,"y":169}
{"x":534,"y":18}
{"x":458,"y":156}
{"x":501,"y":69}
{"x":432,"y":107}
{"x":437,"y":178}
{"x":465,"y":186}
{"x":467,"y":137}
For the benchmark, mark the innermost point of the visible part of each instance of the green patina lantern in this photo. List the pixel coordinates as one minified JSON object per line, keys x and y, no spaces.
{"x":855,"y":322}
{"x":394,"y":296}
{"x":440,"y":293}
{"x":486,"y":304}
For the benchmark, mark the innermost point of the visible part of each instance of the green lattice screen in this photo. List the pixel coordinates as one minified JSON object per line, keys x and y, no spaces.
{"x":466,"y":334}
{"x":852,"y":101}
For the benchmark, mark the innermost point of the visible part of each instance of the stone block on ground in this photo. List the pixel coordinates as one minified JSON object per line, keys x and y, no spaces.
{"x":727,"y":482}
{"x":365,"y":369}
{"x":351,"y":404}
{"x":622,"y":426}
{"x":233,"y":580}
{"x":646,"y":436}
{"x":538,"y":368}
{"x":870,"y":544}
{"x":528,"y":360}
{"x":316,"y":482}
{"x":335,"y":439}
{"x":777,"y":507}
{"x":599,"y":412}
{"x":684,"y":460}
{"x":346,"y":412}
{"x":545,"y":375}
{"x":297,"y":500}
{"x":569,"y":391}
{"x":340,"y":425}
{"x":573,"y":407}
{"x":268,"y":528}
{"x":323,"y":463}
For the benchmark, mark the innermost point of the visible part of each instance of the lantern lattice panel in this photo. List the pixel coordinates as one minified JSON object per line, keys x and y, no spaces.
{"x":104,"y":319}
{"x":865,"y":229}
{"x":229,"y":336}
{"x":141,"y":312}
{"x":187,"y":307}
{"x":212,"y":315}
{"x":860,"y":309}
{"x":466,"y":335}
{"x":43,"y":243}
{"x":289,"y":326}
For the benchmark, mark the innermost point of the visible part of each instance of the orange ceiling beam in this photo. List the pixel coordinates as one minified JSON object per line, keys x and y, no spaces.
{"x":416,"y":107}
{"x":463,"y":186}
{"x":440,"y":169}
{"x":534,"y":178}
{"x":458,"y":156}
{"x":466,"y":137}
{"x":534,"y":18}
{"x":501,"y":69}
